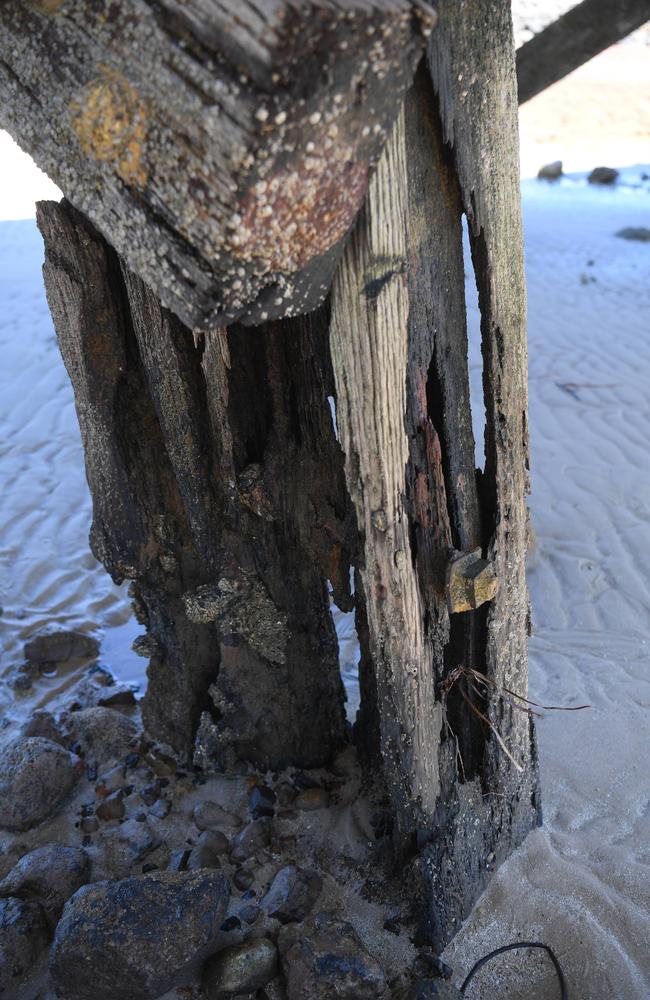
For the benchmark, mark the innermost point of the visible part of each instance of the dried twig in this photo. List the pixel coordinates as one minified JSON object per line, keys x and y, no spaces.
{"x":517,"y":701}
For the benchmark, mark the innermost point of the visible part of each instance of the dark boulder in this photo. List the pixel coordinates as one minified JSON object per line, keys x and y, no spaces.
{"x":137,"y":938}
{"x":240,"y":970}
{"x":48,"y":876}
{"x":324,"y":958}
{"x":23,"y":935}
{"x":36,"y":775}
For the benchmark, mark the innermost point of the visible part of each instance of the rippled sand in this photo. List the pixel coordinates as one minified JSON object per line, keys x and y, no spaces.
{"x":582,"y":882}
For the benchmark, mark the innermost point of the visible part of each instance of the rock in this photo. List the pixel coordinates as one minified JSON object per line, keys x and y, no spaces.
{"x":640,"y":234}
{"x":22,"y":678}
{"x":160,"y":763}
{"x":243,"y":879}
{"x":603,"y":175}
{"x":178,"y":860}
{"x":311,"y":799}
{"x":250,"y":839}
{"x":292,"y":894}
{"x":42,"y":723}
{"x":324,"y":958}
{"x":206,"y":853}
{"x":161,"y":808}
{"x":240,"y":970}
{"x":36,"y":775}
{"x":48,"y":876}
{"x":112,"y":807}
{"x":550,"y":171}
{"x":137,"y":938}
{"x":211,"y":816}
{"x":111,"y":781}
{"x":249,"y":913}
{"x":119,"y":694}
{"x":261,"y":801}
{"x":433,"y":989}
{"x":103,"y":733}
{"x":23,"y":935}
{"x":89,"y":824}
{"x":286,"y":794}
{"x":151,"y":792}
{"x":129,"y":844}
{"x":52,"y":645}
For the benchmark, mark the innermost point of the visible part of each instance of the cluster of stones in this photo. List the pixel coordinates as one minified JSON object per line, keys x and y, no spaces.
{"x":225,"y":913}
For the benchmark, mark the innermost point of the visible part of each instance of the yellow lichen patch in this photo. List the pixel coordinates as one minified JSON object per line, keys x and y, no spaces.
{"x":46,"y":6}
{"x":110,"y":119}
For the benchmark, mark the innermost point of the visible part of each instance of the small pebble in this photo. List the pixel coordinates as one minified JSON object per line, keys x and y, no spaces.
{"x":286,"y":794}
{"x":178,"y":861}
{"x":161,"y":808}
{"x":212,"y":816}
{"x":151,"y":792}
{"x":89,"y":824}
{"x":261,"y":801}
{"x":160,"y":763}
{"x":249,"y":914}
{"x":311,"y":799}
{"x":243,"y":879}
{"x":112,"y":807}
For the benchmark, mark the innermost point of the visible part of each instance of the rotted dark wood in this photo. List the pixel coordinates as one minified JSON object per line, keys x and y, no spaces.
{"x":223,"y":148}
{"x":218,"y":490}
{"x":577,"y":36}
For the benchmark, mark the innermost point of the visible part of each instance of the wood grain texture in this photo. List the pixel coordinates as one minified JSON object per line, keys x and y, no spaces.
{"x":369,"y":343}
{"x":218,"y":490}
{"x":577,"y":36}
{"x":399,"y":348}
{"x":223,"y":148}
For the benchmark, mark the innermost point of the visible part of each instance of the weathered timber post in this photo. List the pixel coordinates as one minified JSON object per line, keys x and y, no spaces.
{"x":219,"y":487}
{"x":399,"y":353}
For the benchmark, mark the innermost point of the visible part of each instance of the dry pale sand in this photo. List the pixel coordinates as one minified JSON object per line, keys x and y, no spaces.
{"x":598,"y":115}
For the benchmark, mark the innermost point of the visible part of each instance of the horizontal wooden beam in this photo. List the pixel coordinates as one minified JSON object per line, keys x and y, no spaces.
{"x":223,"y":147}
{"x":573,"y":39}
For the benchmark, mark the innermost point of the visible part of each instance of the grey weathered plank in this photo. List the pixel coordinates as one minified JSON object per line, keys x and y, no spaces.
{"x":472,"y":66}
{"x":222,"y":148}
{"x":573,"y":39}
{"x":399,"y":351}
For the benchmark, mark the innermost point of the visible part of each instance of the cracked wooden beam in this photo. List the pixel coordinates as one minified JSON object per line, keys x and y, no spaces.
{"x":573,"y":39}
{"x":223,"y":149}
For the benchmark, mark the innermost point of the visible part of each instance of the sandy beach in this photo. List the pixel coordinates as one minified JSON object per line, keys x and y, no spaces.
{"x":582,"y":881}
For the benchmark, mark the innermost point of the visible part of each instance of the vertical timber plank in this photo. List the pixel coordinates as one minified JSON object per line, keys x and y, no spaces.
{"x":369,"y":343}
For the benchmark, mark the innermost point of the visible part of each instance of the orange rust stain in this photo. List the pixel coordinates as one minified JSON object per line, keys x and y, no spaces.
{"x":300,"y":211}
{"x":110,"y":119}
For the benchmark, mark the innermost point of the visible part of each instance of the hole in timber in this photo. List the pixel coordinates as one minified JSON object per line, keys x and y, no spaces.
{"x":474,"y":356}
{"x":332,"y":403}
{"x":348,"y":642}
